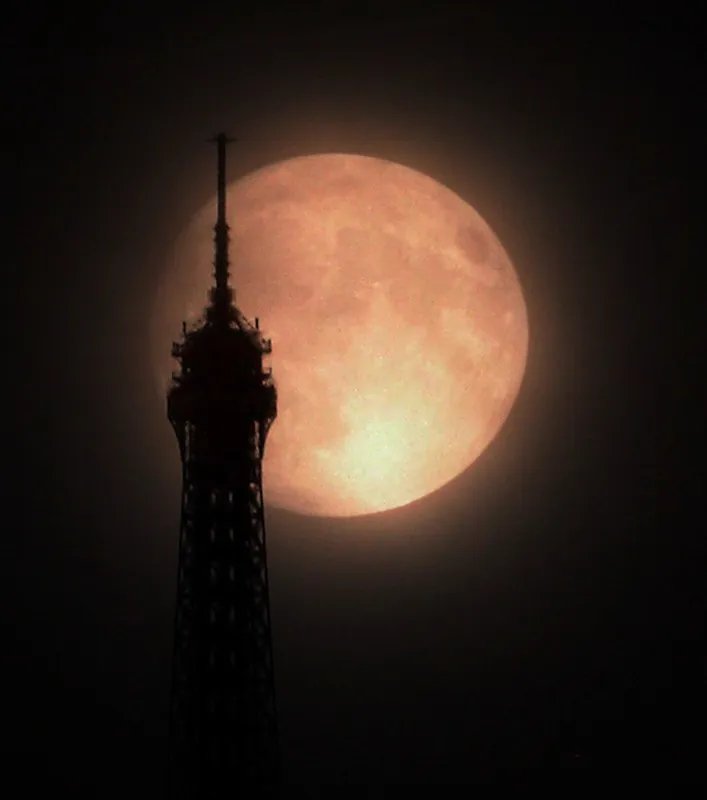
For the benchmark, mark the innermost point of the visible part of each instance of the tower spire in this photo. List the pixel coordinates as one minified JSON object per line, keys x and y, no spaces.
{"x":221,"y":292}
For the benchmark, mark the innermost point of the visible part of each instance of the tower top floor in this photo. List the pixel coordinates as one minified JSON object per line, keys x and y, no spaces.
{"x":221,"y":375}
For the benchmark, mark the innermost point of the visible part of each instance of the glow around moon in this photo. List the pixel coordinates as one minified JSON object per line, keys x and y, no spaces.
{"x":398,"y":325}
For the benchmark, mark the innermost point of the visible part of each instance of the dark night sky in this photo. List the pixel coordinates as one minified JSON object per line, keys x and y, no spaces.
{"x":545,"y":605}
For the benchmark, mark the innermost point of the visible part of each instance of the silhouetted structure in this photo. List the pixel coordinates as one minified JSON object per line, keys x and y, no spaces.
{"x":223,"y":727}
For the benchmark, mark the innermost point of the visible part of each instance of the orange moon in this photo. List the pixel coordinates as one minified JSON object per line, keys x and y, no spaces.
{"x":398,"y":324}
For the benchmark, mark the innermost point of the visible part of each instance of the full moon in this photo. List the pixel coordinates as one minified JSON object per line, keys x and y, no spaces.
{"x":397,"y":320}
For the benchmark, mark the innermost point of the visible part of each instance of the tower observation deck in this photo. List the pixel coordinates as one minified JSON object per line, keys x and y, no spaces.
{"x":221,"y":404}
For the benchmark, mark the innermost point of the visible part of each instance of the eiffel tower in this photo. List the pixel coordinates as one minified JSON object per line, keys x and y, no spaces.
{"x":221,"y":404}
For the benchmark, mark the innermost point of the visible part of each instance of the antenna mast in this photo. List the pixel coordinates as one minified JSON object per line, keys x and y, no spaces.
{"x":221,"y":292}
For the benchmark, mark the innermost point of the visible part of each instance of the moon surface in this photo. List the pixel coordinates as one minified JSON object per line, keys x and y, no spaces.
{"x":397,"y":320}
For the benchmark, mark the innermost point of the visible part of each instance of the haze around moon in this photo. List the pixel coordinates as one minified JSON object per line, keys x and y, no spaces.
{"x":398,"y":325}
